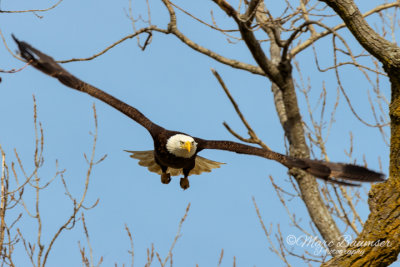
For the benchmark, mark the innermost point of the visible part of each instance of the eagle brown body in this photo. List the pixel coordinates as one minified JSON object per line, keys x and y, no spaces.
{"x":162,"y":161}
{"x":164,"y":158}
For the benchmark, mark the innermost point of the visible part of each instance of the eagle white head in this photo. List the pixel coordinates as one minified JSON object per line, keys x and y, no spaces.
{"x":181,"y":145}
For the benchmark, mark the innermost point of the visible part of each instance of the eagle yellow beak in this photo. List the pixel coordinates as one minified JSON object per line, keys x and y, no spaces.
{"x":187,"y":146}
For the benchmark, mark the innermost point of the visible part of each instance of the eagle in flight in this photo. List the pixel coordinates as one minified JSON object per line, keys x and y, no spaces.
{"x":176,"y":153}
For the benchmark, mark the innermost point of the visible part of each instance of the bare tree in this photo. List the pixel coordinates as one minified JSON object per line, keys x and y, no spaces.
{"x":11,"y":234}
{"x":275,"y":42}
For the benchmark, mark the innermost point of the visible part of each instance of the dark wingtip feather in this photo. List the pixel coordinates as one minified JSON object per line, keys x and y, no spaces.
{"x":355,"y":172}
{"x":337,"y":172}
{"x":24,"y":49}
{"x":45,"y":63}
{"x":15,"y":38}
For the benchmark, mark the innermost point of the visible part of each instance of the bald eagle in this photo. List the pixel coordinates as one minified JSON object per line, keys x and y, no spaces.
{"x":176,"y":153}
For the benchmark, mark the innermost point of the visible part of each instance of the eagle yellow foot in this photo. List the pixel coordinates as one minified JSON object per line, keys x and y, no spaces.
{"x":165,"y":178}
{"x":184,"y":183}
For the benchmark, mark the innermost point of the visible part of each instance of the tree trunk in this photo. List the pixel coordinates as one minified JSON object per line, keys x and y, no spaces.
{"x":379,"y":242}
{"x":287,"y":108}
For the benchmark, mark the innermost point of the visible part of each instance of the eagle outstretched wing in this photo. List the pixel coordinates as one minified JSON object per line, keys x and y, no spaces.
{"x":49,"y":66}
{"x":328,"y":171}
{"x":146,"y":159}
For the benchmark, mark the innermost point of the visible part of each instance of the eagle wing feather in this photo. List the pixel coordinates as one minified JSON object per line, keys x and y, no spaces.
{"x":328,"y":171}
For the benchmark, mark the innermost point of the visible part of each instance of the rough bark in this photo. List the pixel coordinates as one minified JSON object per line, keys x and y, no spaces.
{"x":308,"y":186}
{"x":380,"y":239}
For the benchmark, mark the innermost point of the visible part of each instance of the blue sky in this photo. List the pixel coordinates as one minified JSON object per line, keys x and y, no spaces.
{"x":174,"y":87}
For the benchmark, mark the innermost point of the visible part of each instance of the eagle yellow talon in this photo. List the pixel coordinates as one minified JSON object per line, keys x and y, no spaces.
{"x":184,"y":183}
{"x":165,"y":178}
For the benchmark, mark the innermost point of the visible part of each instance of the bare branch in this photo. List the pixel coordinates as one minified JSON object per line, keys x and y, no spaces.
{"x":131,"y":252}
{"x":178,"y":234}
{"x":318,"y":36}
{"x":253,"y":137}
{"x":32,"y":10}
